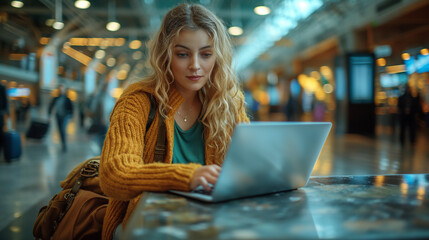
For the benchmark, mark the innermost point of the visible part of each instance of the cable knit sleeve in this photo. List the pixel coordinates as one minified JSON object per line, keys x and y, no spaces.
{"x":124,"y":173}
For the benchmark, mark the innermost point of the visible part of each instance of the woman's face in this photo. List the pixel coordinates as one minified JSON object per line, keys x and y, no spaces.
{"x":192,"y":60}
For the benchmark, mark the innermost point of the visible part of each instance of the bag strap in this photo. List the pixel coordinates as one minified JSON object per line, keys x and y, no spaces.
{"x":152,"y":111}
{"x":161,"y":138}
{"x":89,"y":170}
{"x":160,"y":142}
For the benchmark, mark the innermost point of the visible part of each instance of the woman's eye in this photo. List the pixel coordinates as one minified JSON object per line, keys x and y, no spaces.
{"x":182,"y":54}
{"x":207,"y":55}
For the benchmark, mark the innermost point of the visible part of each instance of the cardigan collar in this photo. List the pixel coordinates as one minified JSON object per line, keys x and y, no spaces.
{"x":174,"y":97}
{"x":174,"y":100}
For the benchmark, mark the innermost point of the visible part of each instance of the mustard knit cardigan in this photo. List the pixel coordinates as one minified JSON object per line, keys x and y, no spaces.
{"x":127,"y":165}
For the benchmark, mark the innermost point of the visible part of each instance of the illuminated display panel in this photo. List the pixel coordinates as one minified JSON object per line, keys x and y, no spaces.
{"x":361,"y":77}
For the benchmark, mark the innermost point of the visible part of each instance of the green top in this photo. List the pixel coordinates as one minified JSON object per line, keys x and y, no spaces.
{"x":189,"y":145}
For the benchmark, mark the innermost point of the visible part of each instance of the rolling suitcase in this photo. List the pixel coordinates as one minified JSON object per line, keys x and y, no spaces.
{"x":12,"y":145}
{"x":38,"y":129}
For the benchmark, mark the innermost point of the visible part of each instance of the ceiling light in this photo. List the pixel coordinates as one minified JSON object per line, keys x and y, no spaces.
{"x":125,"y":67}
{"x":328,"y":88}
{"x":236,"y":31}
{"x":99,"y":54}
{"x":381,"y":62}
{"x":262,"y":10}
{"x":44,"y":40}
{"x":58,"y":15}
{"x":137,"y":55}
{"x":111,"y":62}
{"x":135,"y":44}
{"x":17,"y":4}
{"x":82,"y":4}
{"x":279,"y":22}
{"x":58,"y":25}
{"x":113,"y":26}
{"x":116,"y":92}
{"x":405,"y":56}
{"x":424,"y":51}
{"x":122,"y":74}
{"x":315,"y":74}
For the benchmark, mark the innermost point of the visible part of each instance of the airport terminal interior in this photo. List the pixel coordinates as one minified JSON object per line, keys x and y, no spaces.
{"x":347,"y":62}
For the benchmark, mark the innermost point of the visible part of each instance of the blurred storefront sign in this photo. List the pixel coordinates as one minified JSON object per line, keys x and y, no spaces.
{"x":393,"y":80}
{"x":422,"y":63}
{"x":383,"y":51}
{"x":419,"y":64}
{"x":18,"y":92}
{"x":395,"y":69}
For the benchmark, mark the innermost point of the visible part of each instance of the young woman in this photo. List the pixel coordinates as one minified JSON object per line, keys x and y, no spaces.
{"x":199,"y":99}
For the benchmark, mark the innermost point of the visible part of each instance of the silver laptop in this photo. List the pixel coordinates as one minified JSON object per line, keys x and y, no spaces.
{"x":267,"y":157}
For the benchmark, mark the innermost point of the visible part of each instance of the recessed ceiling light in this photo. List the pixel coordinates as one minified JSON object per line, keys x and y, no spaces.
{"x":262,"y":10}
{"x":17,"y":4}
{"x":58,"y":25}
{"x":135,"y":44}
{"x":381,"y":62}
{"x":82,"y":4}
{"x":405,"y":56}
{"x":113,"y":26}
{"x":137,"y":55}
{"x":126,"y":67}
{"x":236,"y":31}
{"x":99,"y":54}
{"x":111,"y":62}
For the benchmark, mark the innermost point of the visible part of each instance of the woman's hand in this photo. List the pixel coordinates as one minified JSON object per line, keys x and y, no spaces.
{"x":205,"y":176}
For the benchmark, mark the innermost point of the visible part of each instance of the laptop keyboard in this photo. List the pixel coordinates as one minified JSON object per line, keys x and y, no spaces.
{"x":201,"y":190}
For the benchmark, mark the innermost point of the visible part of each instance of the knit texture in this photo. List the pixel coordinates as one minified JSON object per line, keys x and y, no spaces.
{"x":127,"y":165}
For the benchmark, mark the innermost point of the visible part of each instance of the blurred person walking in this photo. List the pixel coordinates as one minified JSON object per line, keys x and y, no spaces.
{"x":409,"y":109}
{"x":4,"y":110}
{"x":292,"y":109}
{"x":99,"y":115}
{"x":63,"y":111}
{"x":22,"y":110}
{"x":82,"y":108}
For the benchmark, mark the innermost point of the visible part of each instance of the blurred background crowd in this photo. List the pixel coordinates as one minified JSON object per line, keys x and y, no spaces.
{"x":343,"y":61}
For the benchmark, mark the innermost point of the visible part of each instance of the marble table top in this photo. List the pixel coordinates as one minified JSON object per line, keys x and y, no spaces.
{"x":382,"y":206}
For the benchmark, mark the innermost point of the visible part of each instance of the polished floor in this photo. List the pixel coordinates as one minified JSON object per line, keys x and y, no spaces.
{"x":28,"y":183}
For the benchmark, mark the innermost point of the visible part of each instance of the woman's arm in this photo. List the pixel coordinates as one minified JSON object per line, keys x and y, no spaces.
{"x":123,"y":172}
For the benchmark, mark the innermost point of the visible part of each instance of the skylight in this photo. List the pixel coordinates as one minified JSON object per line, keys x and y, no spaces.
{"x":278,"y":24}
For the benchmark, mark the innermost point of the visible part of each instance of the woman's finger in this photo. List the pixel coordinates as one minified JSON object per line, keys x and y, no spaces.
{"x":211,"y":179}
{"x":204,"y":183}
{"x":214,"y":170}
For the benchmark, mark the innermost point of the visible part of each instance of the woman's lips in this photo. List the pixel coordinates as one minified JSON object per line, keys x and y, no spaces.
{"x":194,"y":78}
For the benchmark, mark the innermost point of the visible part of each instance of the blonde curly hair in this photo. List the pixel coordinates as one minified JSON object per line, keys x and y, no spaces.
{"x":221,"y":97}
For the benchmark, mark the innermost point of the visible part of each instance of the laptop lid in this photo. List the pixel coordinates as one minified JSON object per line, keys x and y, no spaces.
{"x":267,"y":157}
